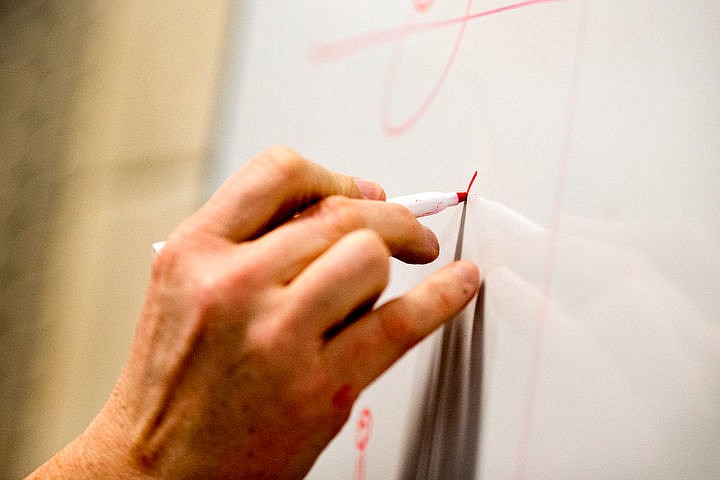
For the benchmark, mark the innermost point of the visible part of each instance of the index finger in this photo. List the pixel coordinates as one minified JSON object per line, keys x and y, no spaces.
{"x":270,"y":188}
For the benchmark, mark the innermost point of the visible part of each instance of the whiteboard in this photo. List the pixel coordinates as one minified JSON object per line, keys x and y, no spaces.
{"x":594,"y":350}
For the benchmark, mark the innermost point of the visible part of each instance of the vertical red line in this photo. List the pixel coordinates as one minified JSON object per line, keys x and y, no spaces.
{"x":363,"y":431}
{"x":359,"y":473}
{"x":537,"y":350}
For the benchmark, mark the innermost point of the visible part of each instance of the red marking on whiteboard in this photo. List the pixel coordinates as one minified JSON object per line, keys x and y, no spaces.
{"x":538,"y":341}
{"x":422,"y":5}
{"x":462,"y":196}
{"x":394,"y":129}
{"x":333,"y":51}
{"x":363,"y":430}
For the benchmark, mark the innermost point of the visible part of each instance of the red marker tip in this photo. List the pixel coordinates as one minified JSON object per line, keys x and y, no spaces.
{"x":462,"y":196}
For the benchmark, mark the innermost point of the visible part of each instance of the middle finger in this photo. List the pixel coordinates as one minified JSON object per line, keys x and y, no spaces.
{"x":292,"y":246}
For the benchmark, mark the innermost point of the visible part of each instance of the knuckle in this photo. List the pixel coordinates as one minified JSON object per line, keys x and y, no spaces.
{"x":169,"y":260}
{"x":282,"y":162}
{"x":442,"y":299}
{"x":249,"y":271}
{"x":375,"y":252}
{"x":400,"y":329}
{"x":372,"y":257}
{"x":216,"y":284}
{"x":263,"y":340}
{"x":206,"y":293}
{"x":337,"y":205}
{"x":403,"y":213}
{"x":165,"y":262}
{"x":281,"y":151}
{"x":340,"y":213}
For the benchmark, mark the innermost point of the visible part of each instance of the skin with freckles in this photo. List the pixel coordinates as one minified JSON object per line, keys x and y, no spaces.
{"x":260,"y":329}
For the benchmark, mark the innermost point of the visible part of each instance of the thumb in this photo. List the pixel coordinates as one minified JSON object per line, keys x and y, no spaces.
{"x":371,"y":345}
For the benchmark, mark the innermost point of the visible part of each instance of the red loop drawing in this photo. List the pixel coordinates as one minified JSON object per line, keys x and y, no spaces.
{"x":334,"y":51}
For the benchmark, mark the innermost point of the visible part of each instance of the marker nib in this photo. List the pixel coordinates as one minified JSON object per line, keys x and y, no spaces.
{"x":462,"y":196}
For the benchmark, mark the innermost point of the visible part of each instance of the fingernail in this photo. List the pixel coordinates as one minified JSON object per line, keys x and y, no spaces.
{"x":468,"y":272}
{"x":369,"y":189}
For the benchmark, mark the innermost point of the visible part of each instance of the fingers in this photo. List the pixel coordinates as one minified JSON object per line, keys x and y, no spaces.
{"x":309,"y":235}
{"x":270,"y":188}
{"x":350,"y":275}
{"x":365,"y":349}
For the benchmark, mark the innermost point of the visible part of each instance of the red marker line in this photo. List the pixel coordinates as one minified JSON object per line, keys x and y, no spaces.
{"x":332,"y":51}
{"x":362,"y":437}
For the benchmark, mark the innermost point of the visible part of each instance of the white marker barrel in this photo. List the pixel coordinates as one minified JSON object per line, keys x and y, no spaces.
{"x":420,"y":204}
{"x":427,"y":203}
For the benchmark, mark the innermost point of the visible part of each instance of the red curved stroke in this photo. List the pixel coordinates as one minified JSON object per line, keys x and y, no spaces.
{"x":396,"y":129}
{"x":334,"y":51}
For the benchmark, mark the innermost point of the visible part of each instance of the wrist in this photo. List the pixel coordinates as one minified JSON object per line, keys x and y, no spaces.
{"x":96,"y":453}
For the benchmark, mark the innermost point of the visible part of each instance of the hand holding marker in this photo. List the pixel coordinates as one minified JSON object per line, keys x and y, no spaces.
{"x":420,"y":204}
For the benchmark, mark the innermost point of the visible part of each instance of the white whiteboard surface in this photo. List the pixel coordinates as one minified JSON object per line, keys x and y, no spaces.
{"x":595,"y":128}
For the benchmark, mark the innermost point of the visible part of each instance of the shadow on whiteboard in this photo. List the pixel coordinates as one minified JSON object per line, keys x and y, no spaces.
{"x":601,"y":349}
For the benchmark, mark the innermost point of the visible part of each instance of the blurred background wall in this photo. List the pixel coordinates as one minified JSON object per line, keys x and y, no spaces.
{"x":107,"y":114}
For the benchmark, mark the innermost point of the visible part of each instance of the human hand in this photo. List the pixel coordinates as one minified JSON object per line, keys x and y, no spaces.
{"x":259,"y":328}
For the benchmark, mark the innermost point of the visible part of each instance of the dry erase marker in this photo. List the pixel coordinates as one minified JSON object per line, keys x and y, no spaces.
{"x":430,"y":203}
{"x":420,"y":204}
